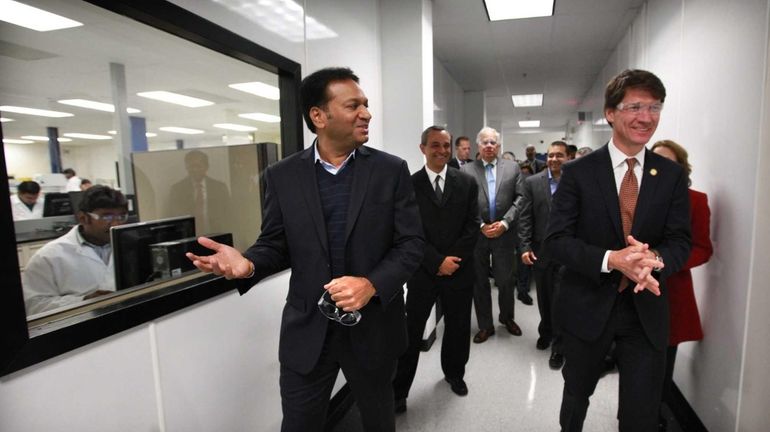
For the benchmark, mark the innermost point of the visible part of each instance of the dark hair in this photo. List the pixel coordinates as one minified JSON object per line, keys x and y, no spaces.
{"x":102,"y":197}
{"x":679,"y":152}
{"x":632,"y":79}
{"x":313,"y":90}
{"x":197,"y":154}
{"x":571,"y":149}
{"x":525,"y":167}
{"x":85,"y":181}
{"x":562,"y":144}
{"x":460,"y":138}
{"x":429,"y":129}
{"x":28,"y":187}
{"x":69,"y":171}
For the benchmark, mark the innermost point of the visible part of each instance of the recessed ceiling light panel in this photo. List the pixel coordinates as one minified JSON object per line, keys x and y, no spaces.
{"x":528,"y":100}
{"x":175,"y":98}
{"x":181,"y":130}
{"x":266,"y":118}
{"x":87,"y":136}
{"x":499,"y":10}
{"x":34,"y":111}
{"x":33,"y":18}
{"x":16,"y":141}
{"x":99,"y":106}
{"x":5,"y":120}
{"x":235,"y":127}
{"x":258,"y":88}
{"x":529,"y":123}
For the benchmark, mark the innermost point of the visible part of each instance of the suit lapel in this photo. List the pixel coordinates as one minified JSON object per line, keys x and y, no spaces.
{"x":305,"y":171}
{"x":545,"y":188}
{"x":425,"y":187}
{"x":605,"y":178}
{"x":647,"y":191}
{"x":361,"y":175}
{"x":449,"y":185}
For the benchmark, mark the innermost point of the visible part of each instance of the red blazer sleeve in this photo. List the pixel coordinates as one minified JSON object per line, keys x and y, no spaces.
{"x":701,"y":237}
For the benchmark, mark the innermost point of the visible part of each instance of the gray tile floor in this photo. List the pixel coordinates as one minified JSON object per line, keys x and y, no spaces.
{"x":510,"y":388}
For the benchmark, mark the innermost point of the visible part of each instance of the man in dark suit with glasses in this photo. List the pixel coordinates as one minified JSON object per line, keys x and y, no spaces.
{"x":343,"y":217}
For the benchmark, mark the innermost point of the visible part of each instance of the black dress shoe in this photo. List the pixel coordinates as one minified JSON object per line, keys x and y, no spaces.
{"x":458,"y":386}
{"x":512,"y":327}
{"x":483,"y":335}
{"x":525,"y":298}
{"x":609,"y":365}
{"x":556,"y":361}
{"x":400,"y":405}
{"x":543,"y":343}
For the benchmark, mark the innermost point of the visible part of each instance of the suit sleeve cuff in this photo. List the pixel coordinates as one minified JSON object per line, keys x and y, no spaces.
{"x":504,"y":223}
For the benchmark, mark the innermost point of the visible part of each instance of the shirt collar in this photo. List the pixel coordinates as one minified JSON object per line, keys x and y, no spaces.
{"x":328,"y":166}
{"x":432,"y":175}
{"x":493,"y":163}
{"x":619,"y":158}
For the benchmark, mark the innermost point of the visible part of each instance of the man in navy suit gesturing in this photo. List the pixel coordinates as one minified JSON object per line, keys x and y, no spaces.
{"x":343,"y":216}
{"x":620,"y":226}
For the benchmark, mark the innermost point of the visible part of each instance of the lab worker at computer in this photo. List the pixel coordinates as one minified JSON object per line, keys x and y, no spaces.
{"x":26,"y":203}
{"x":78,"y":265}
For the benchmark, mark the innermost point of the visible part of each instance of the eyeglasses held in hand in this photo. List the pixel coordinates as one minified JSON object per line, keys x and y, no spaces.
{"x":109,"y":217}
{"x":330,"y":310}
{"x":636,"y":108}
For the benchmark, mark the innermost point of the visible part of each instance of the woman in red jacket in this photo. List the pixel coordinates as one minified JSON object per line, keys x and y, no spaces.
{"x":685,"y":320}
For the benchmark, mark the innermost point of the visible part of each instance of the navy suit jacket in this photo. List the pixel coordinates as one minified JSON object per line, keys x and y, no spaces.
{"x":534,"y":210}
{"x":451,"y":227}
{"x":384,"y":243}
{"x":585,"y":223}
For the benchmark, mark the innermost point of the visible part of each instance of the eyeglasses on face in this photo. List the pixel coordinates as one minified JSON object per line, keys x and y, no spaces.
{"x":636,"y":108}
{"x":109,"y":217}
{"x":330,"y":310}
{"x":489,"y":142}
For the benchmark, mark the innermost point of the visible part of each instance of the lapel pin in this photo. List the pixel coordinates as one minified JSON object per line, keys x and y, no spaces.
{"x":653,"y":172}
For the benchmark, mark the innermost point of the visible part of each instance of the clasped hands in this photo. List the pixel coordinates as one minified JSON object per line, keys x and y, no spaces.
{"x":493,"y":229}
{"x":637,"y":262}
{"x":348,"y":292}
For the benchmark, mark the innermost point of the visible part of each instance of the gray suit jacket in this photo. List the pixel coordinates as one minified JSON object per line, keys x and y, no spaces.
{"x":534,"y":208}
{"x":508,"y":185}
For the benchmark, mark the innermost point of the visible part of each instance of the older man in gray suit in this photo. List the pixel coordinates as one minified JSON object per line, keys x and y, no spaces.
{"x":500,"y":183}
{"x":534,"y":208}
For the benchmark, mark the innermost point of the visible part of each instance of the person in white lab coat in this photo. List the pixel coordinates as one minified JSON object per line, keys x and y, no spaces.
{"x":77,"y":266}
{"x":26,"y":203}
{"x":73,"y":181}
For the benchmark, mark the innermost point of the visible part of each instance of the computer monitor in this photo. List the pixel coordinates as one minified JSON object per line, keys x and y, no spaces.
{"x":131,"y":250}
{"x":57,"y":204}
{"x":75,"y":199}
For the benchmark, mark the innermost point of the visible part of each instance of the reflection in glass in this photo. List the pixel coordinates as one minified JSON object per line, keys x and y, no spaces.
{"x":74,"y":70}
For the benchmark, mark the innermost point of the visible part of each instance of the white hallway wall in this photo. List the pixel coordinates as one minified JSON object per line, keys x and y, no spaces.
{"x":213,"y":366}
{"x":712,"y":57}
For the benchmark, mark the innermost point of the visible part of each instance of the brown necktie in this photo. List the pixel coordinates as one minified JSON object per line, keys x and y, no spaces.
{"x":629,"y":189}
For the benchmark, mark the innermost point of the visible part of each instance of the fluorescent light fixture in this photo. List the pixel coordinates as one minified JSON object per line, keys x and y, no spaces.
{"x":180,"y":130}
{"x":87,"y":136}
{"x":285,"y":18}
{"x":147,"y":134}
{"x":5,"y":120}
{"x":43,"y":138}
{"x":175,"y":98}
{"x":235,"y":127}
{"x":100,"y":106}
{"x":16,"y":141}
{"x":499,"y":10}
{"x":601,"y":122}
{"x":529,"y":123}
{"x":33,"y":18}
{"x":34,"y":111}
{"x":529,"y":100}
{"x":258,"y":88}
{"x":267,"y":118}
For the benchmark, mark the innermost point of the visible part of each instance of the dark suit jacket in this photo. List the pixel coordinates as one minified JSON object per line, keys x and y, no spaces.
{"x":536,"y":164}
{"x":508,"y":184}
{"x":685,"y":320}
{"x":451,"y":226}
{"x":384,"y":243}
{"x":181,"y":202}
{"x":454,"y":163}
{"x":534,"y":209}
{"x":585,"y":223}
